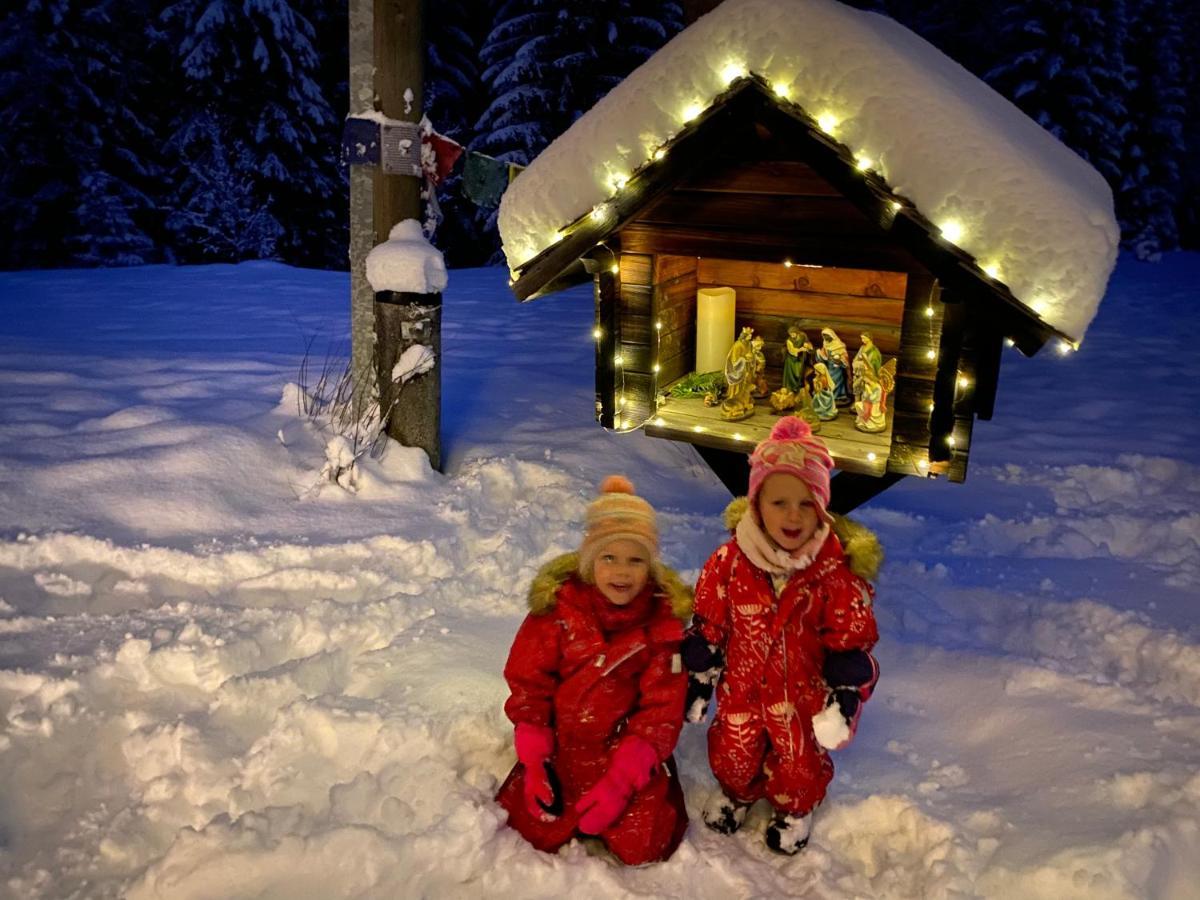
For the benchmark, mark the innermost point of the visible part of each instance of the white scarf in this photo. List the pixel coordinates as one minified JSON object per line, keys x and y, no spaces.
{"x":771,"y":558}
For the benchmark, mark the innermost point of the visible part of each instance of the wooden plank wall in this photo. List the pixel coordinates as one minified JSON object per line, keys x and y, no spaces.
{"x":675,"y":307}
{"x":771,"y":296}
{"x":635,"y":380}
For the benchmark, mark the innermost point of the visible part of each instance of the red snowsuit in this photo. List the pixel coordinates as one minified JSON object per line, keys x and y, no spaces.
{"x":594,"y":673}
{"x":761,"y":742}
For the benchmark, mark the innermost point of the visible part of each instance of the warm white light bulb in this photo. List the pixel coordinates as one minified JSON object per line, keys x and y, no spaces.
{"x":871,"y":457}
{"x":732,"y":72}
{"x":863,"y":163}
{"x":952,"y":230}
{"x":781,"y":88}
{"x":931,"y":354}
{"x":827,"y":122}
{"x":615,"y":268}
{"x":618,"y":360}
{"x":922,"y":464}
{"x":737,"y":436}
{"x":658,"y":326}
{"x":1064,"y":347}
{"x":659,"y":153}
{"x":950,"y":440}
{"x":657,"y":367}
{"x":660,"y":421}
{"x":929,"y":312}
{"x":787,"y":263}
{"x":963,"y":381}
{"x":596,"y":333}
{"x":897,"y":206}
{"x":599,"y":212}
{"x":1009,"y":342}
{"x":697,"y":428}
{"x":691,"y":111}
{"x":991,"y":270}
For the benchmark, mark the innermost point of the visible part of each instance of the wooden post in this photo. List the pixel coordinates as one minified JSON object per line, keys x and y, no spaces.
{"x":362,"y":214}
{"x":386,"y":75}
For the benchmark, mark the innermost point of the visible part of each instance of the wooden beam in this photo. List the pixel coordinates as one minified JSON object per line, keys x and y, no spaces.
{"x":850,"y":490}
{"x":607,"y":294}
{"x":941,"y":420}
{"x":731,"y":466}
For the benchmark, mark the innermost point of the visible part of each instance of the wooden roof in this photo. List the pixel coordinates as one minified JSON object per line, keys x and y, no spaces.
{"x":749,"y":103}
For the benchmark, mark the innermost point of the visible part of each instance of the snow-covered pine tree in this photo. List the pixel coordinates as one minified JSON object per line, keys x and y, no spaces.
{"x":1154,"y":150}
{"x":76,"y":135}
{"x":1187,"y":201}
{"x":1064,"y":65}
{"x":250,"y":65}
{"x":454,"y":101}
{"x":547,"y":63}
{"x":217,"y":217}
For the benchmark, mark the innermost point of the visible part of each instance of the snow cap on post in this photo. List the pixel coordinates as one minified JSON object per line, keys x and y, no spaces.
{"x":406,"y":262}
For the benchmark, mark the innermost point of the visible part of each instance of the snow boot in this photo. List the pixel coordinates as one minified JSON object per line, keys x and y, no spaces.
{"x":788,"y":834}
{"x":724,"y":815}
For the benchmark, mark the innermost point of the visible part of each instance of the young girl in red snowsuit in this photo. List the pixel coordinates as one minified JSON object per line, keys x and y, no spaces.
{"x":598,"y":691}
{"x":784,"y":624}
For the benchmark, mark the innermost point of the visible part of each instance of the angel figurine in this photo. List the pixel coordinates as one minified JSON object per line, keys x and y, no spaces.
{"x":836,"y":357}
{"x":866,"y":358}
{"x":741,"y":376}
{"x":871,"y":406}
{"x":823,"y":401}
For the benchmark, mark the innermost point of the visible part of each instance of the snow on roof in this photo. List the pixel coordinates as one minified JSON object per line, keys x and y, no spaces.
{"x":1032,"y":213}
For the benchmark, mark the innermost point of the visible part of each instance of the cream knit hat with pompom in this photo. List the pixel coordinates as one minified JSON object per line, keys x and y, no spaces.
{"x":617,"y":514}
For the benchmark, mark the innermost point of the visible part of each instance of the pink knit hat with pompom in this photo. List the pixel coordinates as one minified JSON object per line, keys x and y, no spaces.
{"x":617,"y":514}
{"x":794,"y":449}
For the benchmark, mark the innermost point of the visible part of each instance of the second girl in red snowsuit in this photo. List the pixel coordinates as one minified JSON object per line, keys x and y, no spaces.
{"x":783,"y":624}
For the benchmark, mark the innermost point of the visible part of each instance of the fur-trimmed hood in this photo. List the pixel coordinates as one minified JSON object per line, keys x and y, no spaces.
{"x":864,"y":553}
{"x":554,"y":574}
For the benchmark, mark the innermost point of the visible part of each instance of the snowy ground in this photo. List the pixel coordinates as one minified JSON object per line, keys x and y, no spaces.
{"x":221,"y":679}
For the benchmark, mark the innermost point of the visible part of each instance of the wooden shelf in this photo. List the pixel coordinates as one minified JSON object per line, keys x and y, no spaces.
{"x":687,"y":419}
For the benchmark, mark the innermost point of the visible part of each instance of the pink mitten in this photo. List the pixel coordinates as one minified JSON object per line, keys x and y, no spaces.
{"x":629,"y":771}
{"x":534,"y":745}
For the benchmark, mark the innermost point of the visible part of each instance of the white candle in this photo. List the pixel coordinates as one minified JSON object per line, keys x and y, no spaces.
{"x":714,"y":327}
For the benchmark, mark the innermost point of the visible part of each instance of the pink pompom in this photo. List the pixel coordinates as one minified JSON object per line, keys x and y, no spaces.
{"x":616,"y":484}
{"x":790,"y":428}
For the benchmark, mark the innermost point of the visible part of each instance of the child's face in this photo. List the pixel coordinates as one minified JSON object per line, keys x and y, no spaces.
{"x":621,"y":571}
{"x":788,"y":511}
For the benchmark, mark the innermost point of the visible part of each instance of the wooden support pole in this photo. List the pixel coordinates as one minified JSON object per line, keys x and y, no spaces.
{"x":362,"y":212}
{"x":941,"y":420}
{"x":850,"y":490}
{"x":608,"y":344}
{"x":403,"y":320}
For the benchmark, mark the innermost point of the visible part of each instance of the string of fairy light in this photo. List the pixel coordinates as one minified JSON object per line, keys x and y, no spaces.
{"x":615,"y":178}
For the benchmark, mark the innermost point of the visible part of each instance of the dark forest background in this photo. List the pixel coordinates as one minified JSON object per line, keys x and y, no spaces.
{"x":139,"y":131}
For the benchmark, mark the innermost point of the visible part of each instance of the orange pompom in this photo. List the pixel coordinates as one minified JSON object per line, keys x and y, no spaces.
{"x":616,"y":484}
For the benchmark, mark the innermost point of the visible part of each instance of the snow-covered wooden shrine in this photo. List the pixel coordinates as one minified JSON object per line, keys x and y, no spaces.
{"x":836,"y":171}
